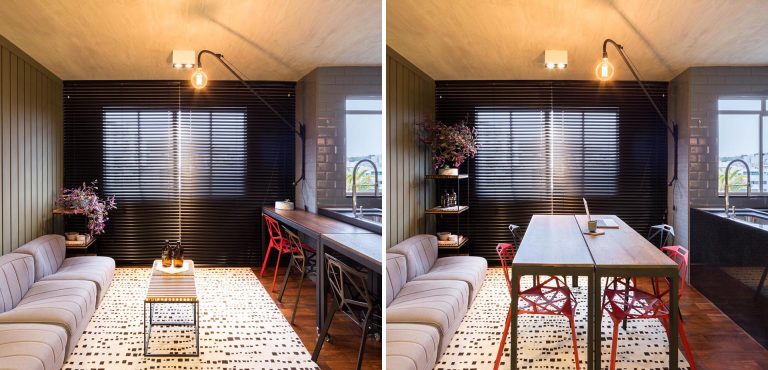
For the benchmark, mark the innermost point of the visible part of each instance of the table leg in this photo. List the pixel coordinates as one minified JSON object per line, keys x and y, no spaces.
{"x":513,"y":323}
{"x":263,"y":238}
{"x":673,"y":321}
{"x":590,"y":322}
{"x":596,"y":322}
{"x":320,"y":290}
{"x":145,"y":328}
{"x":197,"y":329}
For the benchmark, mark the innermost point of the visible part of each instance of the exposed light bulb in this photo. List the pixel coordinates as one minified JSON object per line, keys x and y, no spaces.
{"x":199,"y":79}
{"x":188,"y":65}
{"x":561,"y":66}
{"x":604,"y":70}
{"x":177,"y":65}
{"x":550,"y":65}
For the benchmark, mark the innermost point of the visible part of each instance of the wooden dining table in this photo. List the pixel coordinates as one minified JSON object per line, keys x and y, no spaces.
{"x":558,"y":245}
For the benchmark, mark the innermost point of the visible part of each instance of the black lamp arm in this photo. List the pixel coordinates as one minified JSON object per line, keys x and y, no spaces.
{"x":673,"y":130}
{"x":300,"y":131}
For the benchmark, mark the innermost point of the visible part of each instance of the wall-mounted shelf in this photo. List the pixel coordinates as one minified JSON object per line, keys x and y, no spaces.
{"x":450,"y":224}
{"x":67,"y":211}
{"x":76,"y":245}
{"x":451,"y":245}
{"x":447,"y":177}
{"x":455,"y":210}
{"x":73,"y":246}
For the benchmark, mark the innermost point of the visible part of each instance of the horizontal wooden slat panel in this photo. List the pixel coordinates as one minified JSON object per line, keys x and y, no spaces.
{"x":547,"y":144}
{"x":183,"y":164}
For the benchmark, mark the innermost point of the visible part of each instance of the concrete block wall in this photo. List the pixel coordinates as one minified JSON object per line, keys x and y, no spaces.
{"x":322,"y":94}
{"x":694,"y":94}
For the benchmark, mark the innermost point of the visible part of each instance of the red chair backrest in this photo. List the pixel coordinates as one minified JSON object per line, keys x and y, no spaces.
{"x":680,"y":256}
{"x":273,"y":228}
{"x":506,"y":252}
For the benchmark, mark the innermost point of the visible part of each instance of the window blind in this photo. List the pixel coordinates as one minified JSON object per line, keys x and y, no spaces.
{"x":547,"y":144}
{"x":183,"y":164}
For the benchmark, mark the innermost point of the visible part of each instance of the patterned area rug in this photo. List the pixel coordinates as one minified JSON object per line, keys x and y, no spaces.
{"x":545,"y":341}
{"x":240,"y":327}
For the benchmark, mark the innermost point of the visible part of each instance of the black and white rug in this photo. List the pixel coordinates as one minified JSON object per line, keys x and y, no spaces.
{"x":545,"y":341}
{"x":240,"y":327}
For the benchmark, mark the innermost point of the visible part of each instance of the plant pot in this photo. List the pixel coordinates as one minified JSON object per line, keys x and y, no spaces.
{"x":448,"y":171}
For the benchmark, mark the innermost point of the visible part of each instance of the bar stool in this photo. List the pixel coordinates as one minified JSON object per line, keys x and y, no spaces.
{"x":660,"y":235}
{"x":664,"y":233}
{"x":516,"y":239}
{"x":301,"y":256}
{"x":280,"y":243}
{"x":351,"y":297}
{"x":551,"y":297}
{"x":622,"y":302}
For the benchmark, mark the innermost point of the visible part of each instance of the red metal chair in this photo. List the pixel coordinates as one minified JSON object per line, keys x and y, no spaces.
{"x":278,"y":242}
{"x":623,"y":301}
{"x":548,"y":297}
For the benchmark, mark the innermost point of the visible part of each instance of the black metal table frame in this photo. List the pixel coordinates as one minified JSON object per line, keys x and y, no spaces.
{"x":148,"y":329}
{"x":525,"y":270}
{"x":595,"y":274}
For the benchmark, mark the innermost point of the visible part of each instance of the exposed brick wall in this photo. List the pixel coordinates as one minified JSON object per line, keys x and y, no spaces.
{"x":694,"y":95}
{"x":323,"y":95}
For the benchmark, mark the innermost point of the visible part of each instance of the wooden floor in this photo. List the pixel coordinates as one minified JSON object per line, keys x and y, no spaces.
{"x":341,"y":352}
{"x":716,"y":341}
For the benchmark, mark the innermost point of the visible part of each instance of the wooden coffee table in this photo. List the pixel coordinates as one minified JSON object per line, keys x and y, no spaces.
{"x":171,"y":288}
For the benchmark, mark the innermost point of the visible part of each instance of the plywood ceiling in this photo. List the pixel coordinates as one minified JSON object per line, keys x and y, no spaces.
{"x":471,"y":39}
{"x":133,"y":39}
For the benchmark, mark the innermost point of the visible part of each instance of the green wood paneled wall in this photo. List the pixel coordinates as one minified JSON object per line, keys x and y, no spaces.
{"x":30,"y":147}
{"x":410,"y":97}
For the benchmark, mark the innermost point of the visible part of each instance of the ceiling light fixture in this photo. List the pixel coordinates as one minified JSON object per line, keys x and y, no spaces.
{"x":604,"y":72}
{"x":555,"y":59}
{"x":200,"y":80}
{"x":183,"y":59}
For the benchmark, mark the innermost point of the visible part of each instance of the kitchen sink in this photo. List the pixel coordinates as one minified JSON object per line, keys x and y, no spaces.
{"x":370,"y":219}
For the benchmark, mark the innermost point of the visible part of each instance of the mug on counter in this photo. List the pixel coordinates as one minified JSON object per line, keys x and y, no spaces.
{"x":592,"y":226}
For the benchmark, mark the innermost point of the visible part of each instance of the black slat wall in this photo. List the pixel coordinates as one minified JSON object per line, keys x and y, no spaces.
{"x":183,"y":164}
{"x":547,"y":144}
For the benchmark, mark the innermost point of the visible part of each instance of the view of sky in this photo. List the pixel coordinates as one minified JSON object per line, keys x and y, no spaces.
{"x":739,"y":134}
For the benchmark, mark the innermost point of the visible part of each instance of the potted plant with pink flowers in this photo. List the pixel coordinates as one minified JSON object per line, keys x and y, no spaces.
{"x":451,"y":145}
{"x":85,"y":200}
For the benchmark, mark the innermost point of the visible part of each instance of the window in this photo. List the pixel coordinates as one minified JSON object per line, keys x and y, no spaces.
{"x":148,"y":156}
{"x":553,"y":156}
{"x":213,"y":158}
{"x":743,"y":135}
{"x":139,"y":159}
{"x":363,"y":118}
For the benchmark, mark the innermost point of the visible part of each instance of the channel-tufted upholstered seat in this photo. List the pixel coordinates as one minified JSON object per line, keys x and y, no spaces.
{"x":46,"y":302}
{"x":41,"y":322}
{"x":32,"y":346}
{"x":50,"y":264}
{"x":66,"y":303}
{"x":420,"y":252}
{"x":438,"y":303}
{"x":423,"y":314}
{"x":412,"y":346}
